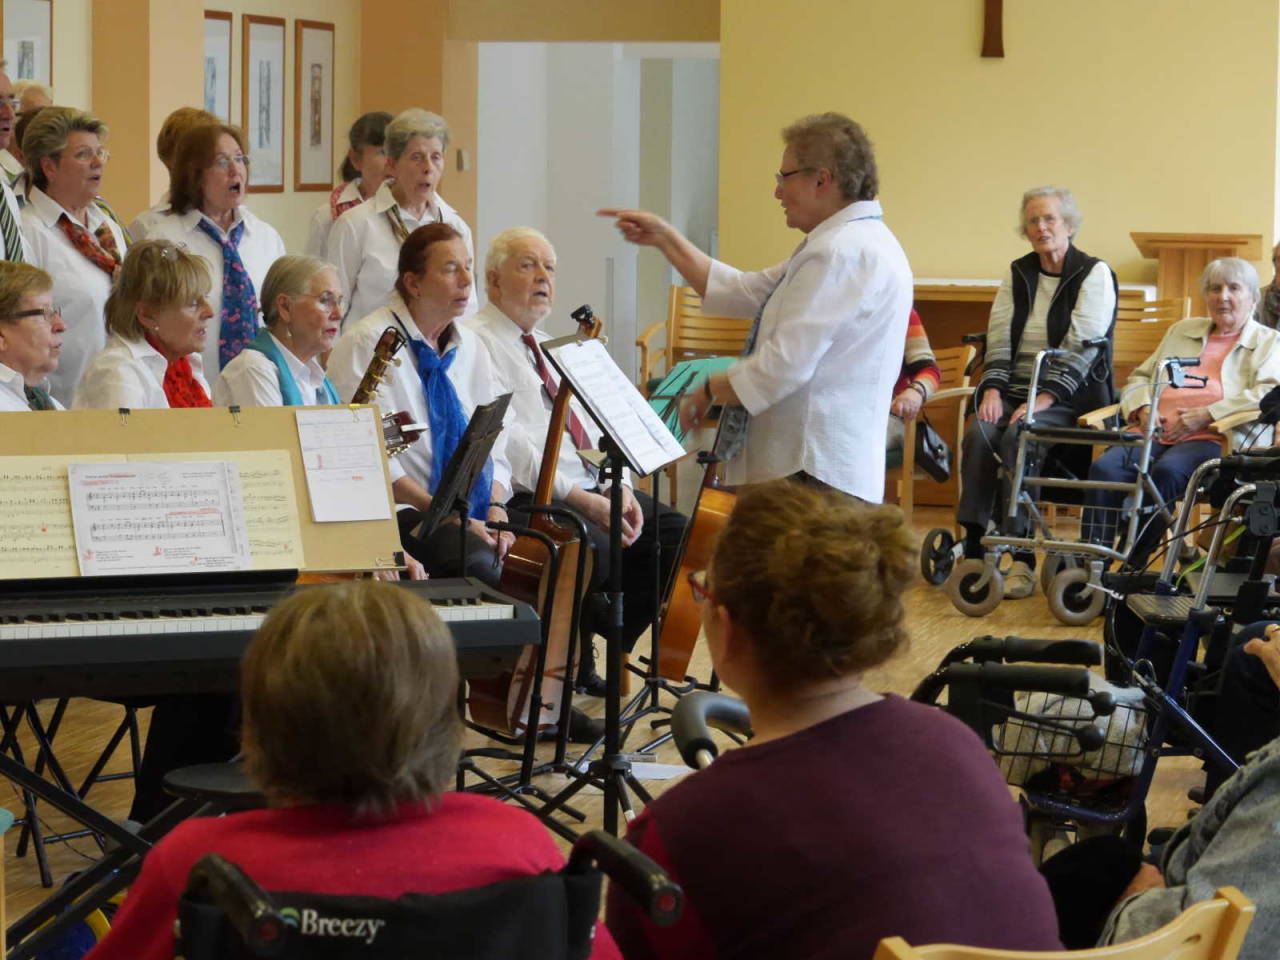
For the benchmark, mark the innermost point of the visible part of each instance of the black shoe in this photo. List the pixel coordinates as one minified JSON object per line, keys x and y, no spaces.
{"x":588,"y":681}
{"x":582,"y":728}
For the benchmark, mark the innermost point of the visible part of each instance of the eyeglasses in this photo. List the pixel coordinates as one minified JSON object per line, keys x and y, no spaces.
{"x":89,"y":154}
{"x":224,"y":162}
{"x":48,"y":314}
{"x":13,"y":102}
{"x":782,"y":175}
{"x":698,"y":584}
{"x":328,"y":300}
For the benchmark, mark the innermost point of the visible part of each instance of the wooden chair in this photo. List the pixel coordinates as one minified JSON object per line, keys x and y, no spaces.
{"x":690,"y":333}
{"x":947,"y":402}
{"x":1133,"y":342}
{"x":1175,"y":308}
{"x":1212,"y":930}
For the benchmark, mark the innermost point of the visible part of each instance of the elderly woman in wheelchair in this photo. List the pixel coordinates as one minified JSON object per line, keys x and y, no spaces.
{"x":824,"y":833}
{"x":1238,"y":363}
{"x":351,"y":730}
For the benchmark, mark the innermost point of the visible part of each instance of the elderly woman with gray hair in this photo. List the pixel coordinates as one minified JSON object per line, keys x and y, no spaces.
{"x":72,"y":233}
{"x":365,"y":242}
{"x":1057,"y":296}
{"x":302,"y":308}
{"x":1240,"y":359}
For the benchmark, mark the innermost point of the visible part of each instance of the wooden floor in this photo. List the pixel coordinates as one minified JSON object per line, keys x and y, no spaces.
{"x":934,"y":625}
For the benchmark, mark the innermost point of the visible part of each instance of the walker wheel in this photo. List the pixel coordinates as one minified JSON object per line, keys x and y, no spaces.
{"x":937,"y":555}
{"x":1071,"y":600}
{"x":966,"y":596}
{"x":1054,"y":562}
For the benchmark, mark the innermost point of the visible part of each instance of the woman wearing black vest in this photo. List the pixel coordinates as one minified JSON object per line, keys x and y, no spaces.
{"x":1056,"y":296}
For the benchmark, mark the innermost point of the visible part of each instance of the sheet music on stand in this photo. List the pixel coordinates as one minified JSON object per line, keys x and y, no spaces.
{"x":614,"y":403}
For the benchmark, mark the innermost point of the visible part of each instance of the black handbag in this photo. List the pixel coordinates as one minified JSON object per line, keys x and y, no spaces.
{"x":933,"y":455}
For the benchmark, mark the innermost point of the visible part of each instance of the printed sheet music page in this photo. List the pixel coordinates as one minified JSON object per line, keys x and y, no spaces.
{"x":155,"y":517}
{"x":343,"y":459}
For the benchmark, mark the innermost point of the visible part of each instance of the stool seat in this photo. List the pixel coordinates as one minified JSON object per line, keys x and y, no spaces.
{"x":224,"y":784}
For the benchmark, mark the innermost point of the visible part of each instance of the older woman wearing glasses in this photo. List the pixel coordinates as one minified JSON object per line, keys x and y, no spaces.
{"x":72,"y":232}
{"x":31,"y":331}
{"x":302,"y":309}
{"x":207,"y":185}
{"x":365,"y":242}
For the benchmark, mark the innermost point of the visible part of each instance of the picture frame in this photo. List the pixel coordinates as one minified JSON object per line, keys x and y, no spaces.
{"x":262,"y":100}
{"x":217,"y":63}
{"x":313,"y":62}
{"x":28,"y":39}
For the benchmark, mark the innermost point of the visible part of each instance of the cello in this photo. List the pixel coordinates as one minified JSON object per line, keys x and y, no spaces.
{"x":502,"y":703}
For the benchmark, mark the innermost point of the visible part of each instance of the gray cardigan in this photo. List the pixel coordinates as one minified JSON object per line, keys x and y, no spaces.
{"x":1233,"y":841}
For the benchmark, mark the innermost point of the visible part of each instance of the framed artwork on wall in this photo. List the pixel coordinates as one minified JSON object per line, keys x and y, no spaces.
{"x":28,"y":39}
{"x":262,"y":101}
{"x":217,"y":63}
{"x":313,"y":105}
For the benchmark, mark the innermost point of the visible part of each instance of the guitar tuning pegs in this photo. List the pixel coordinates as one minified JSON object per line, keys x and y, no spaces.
{"x":396,"y":361}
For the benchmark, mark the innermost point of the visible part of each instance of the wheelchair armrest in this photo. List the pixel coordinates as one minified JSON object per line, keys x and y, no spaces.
{"x":1095,"y":418}
{"x":695,"y":715}
{"x":645,"y":881}
{"x":245,"y":904}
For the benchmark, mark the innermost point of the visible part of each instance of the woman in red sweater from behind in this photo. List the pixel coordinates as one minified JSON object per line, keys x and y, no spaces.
{"x":351,"y":730}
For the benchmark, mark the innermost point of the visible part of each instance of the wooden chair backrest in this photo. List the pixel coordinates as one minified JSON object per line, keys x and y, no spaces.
{"x":952,"y":362}
{"x":1211,"y":930}
{"x":1134,"y":341}
{"x":692,"y":333}
{"x":1175,"y":308}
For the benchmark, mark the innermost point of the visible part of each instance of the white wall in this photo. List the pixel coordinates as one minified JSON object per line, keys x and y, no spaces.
{"x":562,"y":133}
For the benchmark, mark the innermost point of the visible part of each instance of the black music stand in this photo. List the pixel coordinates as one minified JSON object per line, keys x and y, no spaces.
{"x":612,"y":771}
{"x":458,"y":479}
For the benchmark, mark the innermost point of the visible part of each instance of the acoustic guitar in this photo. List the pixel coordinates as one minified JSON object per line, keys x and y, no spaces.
{"x":397,"y":428}
{"x":502,"y":703}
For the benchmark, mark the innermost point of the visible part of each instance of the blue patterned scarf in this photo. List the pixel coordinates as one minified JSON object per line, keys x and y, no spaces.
{"x":447,"y":420}
{"x":239,"y":320}
{"x":265,"y":344}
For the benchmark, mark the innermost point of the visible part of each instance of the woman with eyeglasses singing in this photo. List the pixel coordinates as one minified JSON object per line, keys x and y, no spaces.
{"x":849,"y":815}
{"x":302,"y":308}
{"x":207,"y":186}
{"x":73,"y":234}
{"x":158,"y":318}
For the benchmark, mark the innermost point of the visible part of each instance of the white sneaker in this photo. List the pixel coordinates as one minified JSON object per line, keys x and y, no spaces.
{"x":1019,"y":582}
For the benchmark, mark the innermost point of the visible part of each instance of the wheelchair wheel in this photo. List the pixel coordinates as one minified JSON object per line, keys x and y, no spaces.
{"x":1071,"y":601}
{"x":937,"y":556}
{"x":1054,"y":562}
{"x":966,"y":596}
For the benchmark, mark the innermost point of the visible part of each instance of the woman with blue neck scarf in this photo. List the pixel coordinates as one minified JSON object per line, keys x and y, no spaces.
{"x":443,"y":376}
{"x":302,"y":307}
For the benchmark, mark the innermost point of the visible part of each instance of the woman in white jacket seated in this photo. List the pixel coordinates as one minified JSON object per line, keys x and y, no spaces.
{"x":158,"y":318}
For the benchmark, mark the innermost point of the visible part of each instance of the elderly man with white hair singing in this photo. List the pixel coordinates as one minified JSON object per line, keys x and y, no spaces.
{"x":520,"y":279}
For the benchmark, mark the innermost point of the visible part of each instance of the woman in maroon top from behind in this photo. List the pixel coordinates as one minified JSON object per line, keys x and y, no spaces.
{"x":850,"y":816}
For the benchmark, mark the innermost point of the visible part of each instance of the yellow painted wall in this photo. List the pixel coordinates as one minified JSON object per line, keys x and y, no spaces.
{"x":72,"y":54}
{"x":581,"y":21}
{"x":1159,"y":117}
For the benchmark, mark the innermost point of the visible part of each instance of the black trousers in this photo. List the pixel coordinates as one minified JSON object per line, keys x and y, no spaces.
{"x":444,"y":554}
{"x":185,"y":729}
{"x":643,"y":586}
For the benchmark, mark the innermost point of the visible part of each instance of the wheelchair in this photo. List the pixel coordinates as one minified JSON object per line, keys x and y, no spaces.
{"x":1072,"y":571}
{"x":223,"y":914}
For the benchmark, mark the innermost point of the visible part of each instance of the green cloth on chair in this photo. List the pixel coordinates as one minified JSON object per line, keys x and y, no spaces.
{"x":666,"y":396}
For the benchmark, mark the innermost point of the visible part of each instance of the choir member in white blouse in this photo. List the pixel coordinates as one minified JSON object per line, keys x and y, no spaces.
{"x":31,"y":331}
{"x":365,"y":242}
{"x":158,"y":317}
{"x":172,"y":131}
{"x":72,"y":234}
{"x":445,"y":375}
{"x":363,"y":170}
{"x":207,"y":212}
{"x":302,"y":310}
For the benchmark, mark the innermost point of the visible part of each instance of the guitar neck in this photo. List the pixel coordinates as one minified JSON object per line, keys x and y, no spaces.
{"x":551,"y":452}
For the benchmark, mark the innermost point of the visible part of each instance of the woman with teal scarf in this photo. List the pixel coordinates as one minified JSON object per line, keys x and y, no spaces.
{"x":302,"y":307}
